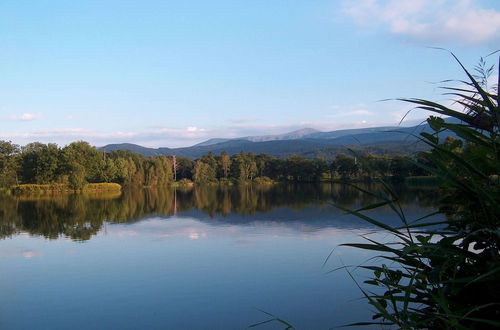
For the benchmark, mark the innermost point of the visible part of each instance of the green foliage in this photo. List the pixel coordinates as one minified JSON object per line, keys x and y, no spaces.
{"x":79,"y":163}
{"x":263,"y":180}
{"x":9,"y":164}
{"x":401,"y":167}
{"x":88,"y":157}
{"x":105,"y":186}
{"x":55,"y":188}
{"x":110,"y":170}
{"x":40,"y":163}
{"x":203,"y":172}
{"x":243,"y":167}
{"x":345,"y":165}
{"x":185,"y":168}
{"x":446,"y":275}
{"x":76,"y":178}
{"x":184,"y":183}
{"x":40,"y":188}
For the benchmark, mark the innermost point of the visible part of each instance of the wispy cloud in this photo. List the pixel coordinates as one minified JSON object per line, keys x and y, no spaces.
{"x":158,"y":136}
{"x":181,"y":137}
{"x":440,"y":21}
{"x":26,"y":116}
{"x":359,"y":112}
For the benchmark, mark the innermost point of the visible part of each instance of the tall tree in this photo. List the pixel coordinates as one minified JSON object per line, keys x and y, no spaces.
{"x":89,"y":157}
{"x":225,"y":164}
{"x":40,"y":162}
{"x":9,"y":163}
{"x":345,"y":165}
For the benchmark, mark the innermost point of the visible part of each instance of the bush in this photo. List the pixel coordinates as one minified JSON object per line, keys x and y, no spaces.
{"x":105,"y":186}
{"x":76,"y":179}
{"x":55,"y":188}
{"x":183,"y":183}
{"x":225,"y":182}
{"x":263,"y":180}
{"x":39,"y":188}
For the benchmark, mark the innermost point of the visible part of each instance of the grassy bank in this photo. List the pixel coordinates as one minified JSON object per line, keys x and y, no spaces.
{"x":59,"y":188}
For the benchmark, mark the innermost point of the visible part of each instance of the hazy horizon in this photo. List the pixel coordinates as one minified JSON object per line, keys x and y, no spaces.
{"x":208,"y":138}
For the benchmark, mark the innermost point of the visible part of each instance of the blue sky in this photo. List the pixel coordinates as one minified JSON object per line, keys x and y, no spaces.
{"x":174,"y":73}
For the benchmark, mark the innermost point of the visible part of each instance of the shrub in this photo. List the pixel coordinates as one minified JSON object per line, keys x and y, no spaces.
{"x":55,"y":188}
{"x":264,"y":180}
{"x":39,"y":188}
{"x":183,"y":183}
{"x":105,"y":186}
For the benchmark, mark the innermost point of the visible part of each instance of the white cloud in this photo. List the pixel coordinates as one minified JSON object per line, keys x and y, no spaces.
{"x":192,"y":129}
{"x":26,"y":117}
{"x":439,"y":21}
{"x":181,"y":137}
{"x":157,"y":137}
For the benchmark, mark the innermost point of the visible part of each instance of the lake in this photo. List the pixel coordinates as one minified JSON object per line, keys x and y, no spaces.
{"x":199,"y":258}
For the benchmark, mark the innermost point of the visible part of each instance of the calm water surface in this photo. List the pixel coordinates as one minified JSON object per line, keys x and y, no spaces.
{"x":202,"y":258}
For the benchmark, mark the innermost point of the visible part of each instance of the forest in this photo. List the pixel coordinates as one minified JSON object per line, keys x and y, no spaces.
{"x":79,"y":163}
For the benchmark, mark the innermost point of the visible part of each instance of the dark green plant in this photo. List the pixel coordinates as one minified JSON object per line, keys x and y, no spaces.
{"x":273,"y":319}
{"x":445,"y":274}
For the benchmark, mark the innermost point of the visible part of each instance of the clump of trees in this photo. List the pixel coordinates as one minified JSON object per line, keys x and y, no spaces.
{"x":80,"y":163}
{"x":77,"y":164}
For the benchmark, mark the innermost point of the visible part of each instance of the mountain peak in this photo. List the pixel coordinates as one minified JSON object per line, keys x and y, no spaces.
{"x":305,"y":131}
{"x":297,"y":134}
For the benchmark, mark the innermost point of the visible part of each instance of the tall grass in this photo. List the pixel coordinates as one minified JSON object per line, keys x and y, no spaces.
{"x":56,"y":188}
{"x":445,"y":274}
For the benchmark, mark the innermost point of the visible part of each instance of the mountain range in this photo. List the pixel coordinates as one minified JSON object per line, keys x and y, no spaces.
{"x":307,"y":142}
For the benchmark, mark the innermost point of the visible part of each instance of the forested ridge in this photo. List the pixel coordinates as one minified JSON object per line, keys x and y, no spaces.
{"x":79,"y":163}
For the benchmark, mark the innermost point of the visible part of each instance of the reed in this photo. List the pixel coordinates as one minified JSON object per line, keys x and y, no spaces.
{"x":57,"y":188}
{"x":444,"y":274}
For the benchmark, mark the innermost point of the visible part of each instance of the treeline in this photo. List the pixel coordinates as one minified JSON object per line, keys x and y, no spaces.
{"x":244,"y":167}
{"x":77,"y":164}
{"x":80,"y":163}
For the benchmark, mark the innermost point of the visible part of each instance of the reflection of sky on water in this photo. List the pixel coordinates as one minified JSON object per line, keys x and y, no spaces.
{"x":175,"y":273}
{"x":191,"y":270}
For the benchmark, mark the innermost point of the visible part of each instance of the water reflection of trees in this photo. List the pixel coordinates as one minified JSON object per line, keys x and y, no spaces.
{"x":79,"y":217}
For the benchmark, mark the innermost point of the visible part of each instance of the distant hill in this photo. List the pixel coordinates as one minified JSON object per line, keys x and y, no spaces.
{"x":210,"y":142}
{"x":344,"y":132}
{"x":307,"y":142}
{"x":148,"y":152}
{"x":298,"y":134}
